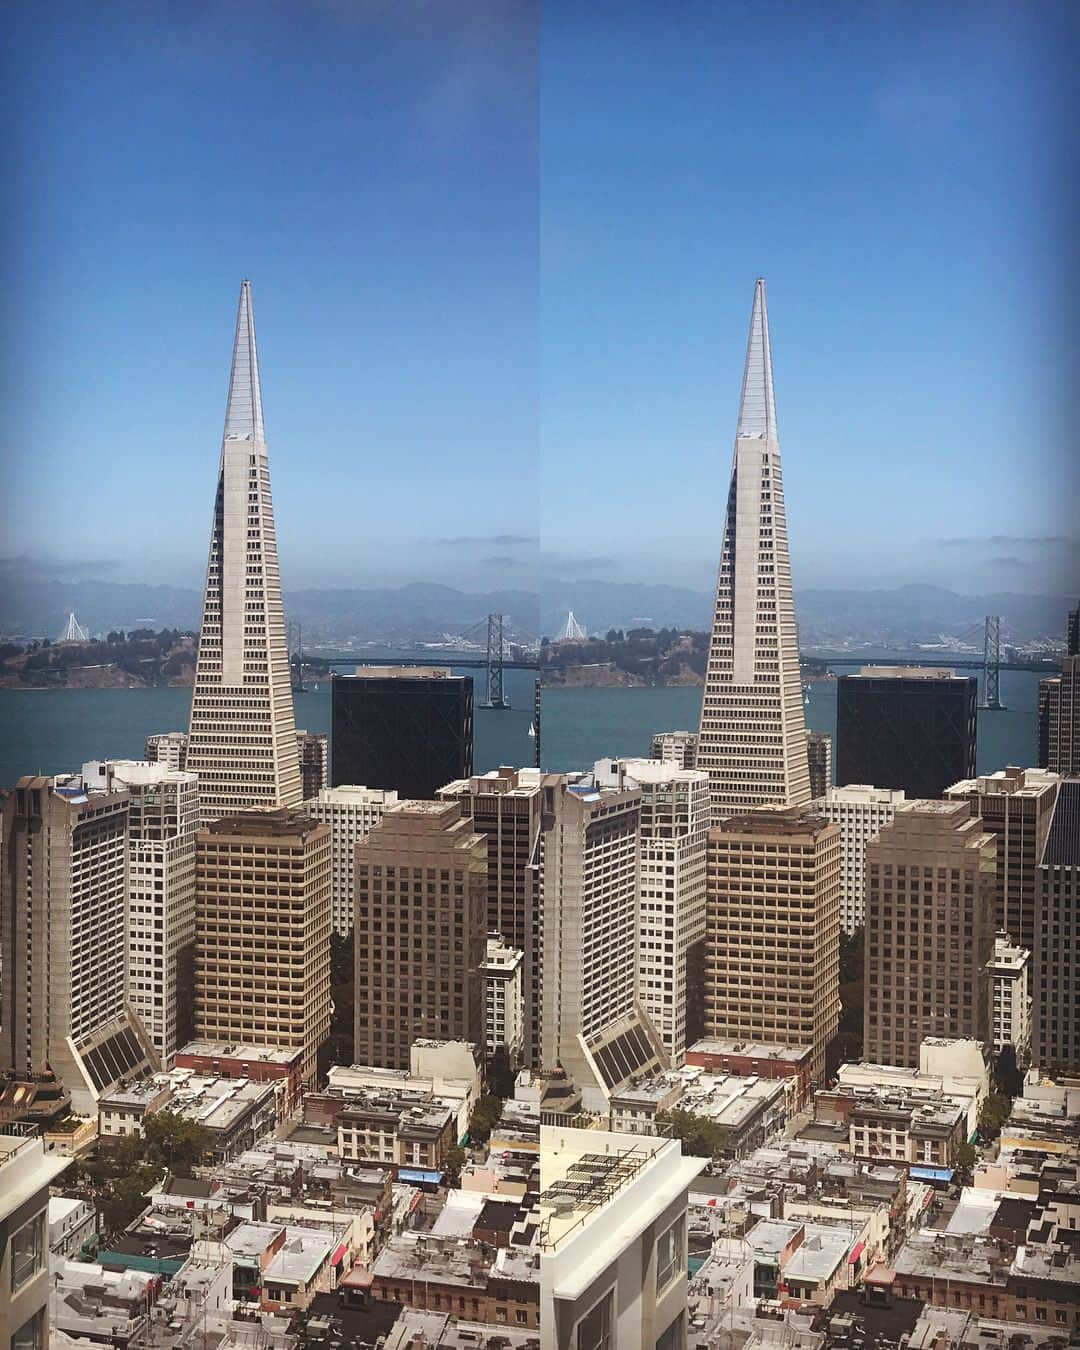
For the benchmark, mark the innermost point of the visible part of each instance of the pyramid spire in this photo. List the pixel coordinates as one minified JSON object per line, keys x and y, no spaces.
{"x":757,"y":406}
{"x":243,"y":411}
{"x":752,"y":737}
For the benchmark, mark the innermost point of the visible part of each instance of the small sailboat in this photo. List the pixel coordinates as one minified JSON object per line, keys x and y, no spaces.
{"x":532,"y":731}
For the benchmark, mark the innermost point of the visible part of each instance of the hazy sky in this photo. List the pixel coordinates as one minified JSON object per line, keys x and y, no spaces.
{"x":502,"y":265}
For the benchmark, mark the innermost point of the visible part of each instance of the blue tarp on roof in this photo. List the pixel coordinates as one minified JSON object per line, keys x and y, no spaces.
{"x":930,"y":1173}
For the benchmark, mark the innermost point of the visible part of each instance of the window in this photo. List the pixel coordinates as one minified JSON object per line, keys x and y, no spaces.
{"x":31,"y":1335}
{"x":28,"y":1251}
{"x":669,"y":1254}
{"x":594,"y":1330}
{"x":673,"y":1338}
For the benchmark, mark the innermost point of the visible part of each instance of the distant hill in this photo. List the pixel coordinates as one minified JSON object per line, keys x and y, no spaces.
{"x":35,"y":606}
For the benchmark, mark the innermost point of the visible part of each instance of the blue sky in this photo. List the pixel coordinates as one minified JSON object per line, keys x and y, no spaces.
{"x":502,"y":264}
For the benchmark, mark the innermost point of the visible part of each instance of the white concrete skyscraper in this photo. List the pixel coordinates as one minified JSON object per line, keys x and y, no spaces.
{"x":242,"y":738}
{"x":752,"y":740}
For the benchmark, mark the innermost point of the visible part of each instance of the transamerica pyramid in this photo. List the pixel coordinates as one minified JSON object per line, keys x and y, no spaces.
{"x":242,"y":737}
{"x":752,"y":738}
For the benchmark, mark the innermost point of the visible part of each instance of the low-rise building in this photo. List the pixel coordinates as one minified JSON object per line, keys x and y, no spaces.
{"x":72,"y":1223}
{"x":906,"y":1125}
{"x":395,"y":1131}
{"x":100,"y":1306}
{"x":803,"y":1262}
{"x":758,"y":1059}
{"x":746,"y":1112}
{"x":954,"y":1070}
{"x":281,"y":1065}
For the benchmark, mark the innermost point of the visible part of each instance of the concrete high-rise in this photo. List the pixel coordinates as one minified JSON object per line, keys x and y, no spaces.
{"x":909,"y":727}
{"x":674,"y":830}
{"x":860,"y":811}
{"x":592,"y":1023}
{"x":1059,"y":719}
{"x":1055,"y":966}
{"x":163,"y":819}
{"x":405,"y":728}
{"x":819,"y":762}
{"x":772,"y":955}
{"x":262,"y":964}
{"x":1016,"y":806}
{"x":313,"y":749}
{"x":64,"y":905}
{"x":421,"y":935}
{"x":931,"y":883}
{"x":752,"y":737}
{"x":674,"y":747}
{"x":168,"y":748}
{"x":504,"y":806}
{"x":241,"y":738}
{"x":351,"y":812}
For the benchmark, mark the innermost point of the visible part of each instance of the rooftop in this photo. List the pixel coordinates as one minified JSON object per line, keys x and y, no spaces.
{"x":250,"y":1054}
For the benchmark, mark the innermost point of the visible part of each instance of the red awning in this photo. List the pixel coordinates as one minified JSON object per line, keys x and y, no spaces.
{"x":856,"y":1252}
{"x":879,"y":1274}
{"x":339,"y":1255}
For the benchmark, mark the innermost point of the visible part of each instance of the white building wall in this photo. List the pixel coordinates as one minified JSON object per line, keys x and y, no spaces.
{"x":351,"y":812}
{"x":861,"y":812}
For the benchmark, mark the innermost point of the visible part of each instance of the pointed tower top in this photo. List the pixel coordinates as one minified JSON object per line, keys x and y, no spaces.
{"x":757,"y":408}
{"x":243,"y":412}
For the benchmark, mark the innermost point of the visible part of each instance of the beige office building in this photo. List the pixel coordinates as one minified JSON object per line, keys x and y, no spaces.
{"x":772,"y":962}
{"x":262,"y":967}
{"x":1059,"y":719}
{"x":674,"y":747}
{"x":421,"y":932}
{"x":504,"y":806}
{"x":241,"y":737}
{"x":752,"y":737}
{"x":930,"y":900}
{"x":1016,"y":806}
{"x":351,"y":812}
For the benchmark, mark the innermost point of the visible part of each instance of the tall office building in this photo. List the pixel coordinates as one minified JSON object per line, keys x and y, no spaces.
{"x":905,"y":727}
{"x":773,"y":930}
{"x":592,"y":1023}
{"x":241,"y":738}
{"x":752,"y":738}
{"x":168,"y":748}
{"x":1016,"y":806}
{"x":351,"y":812}
{"x":313,"y":749}
{"x":1059,"y":719}
{"x":27,"y":1170}
{"x":931,"y":882}
{"x":860,"y":811}
{"x":504,"y":806}
{"x":262,"y":957}
{"x":65,"y":895}
{"x":819,"y":762}
{"x":1056,"y":956}
{"x":674,"y":829}
{"x":674,"y":747}
{"x":408,"y":728}
{"x":163,"y":819}
{"x":421,"y":936}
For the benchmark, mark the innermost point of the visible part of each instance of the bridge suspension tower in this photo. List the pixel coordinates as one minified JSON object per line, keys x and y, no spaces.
{"x":295,"y":641}
{"x":494,"y":697}
{"x":992,"y":665}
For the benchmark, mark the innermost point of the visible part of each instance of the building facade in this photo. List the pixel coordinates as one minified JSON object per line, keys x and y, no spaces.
{"x":262,"y":962}
{"x":909,"y":727}
{"x":241,"y":737}
{"x":351,"y":812}
{"x":421,"y":931}
{"x":313,"y":751}
{"x":931,"y":882}
{"x":1056,"y":957}
{"x":674,"y":829}
{"x":752,"y":736}
{"x":408,"y":729}
{"x":504,"y":806}
{"x":773,"y":930}
{"x":1059,"y":719}
{"x":1010,"y":999}
{"x":64,"y":917}
{"x":168,"y":748}
{"x":504,"y":1001}
{"x":1016,"y":806}
{"x":860,"y":811}
{"x":678,"y":748}
{"x":819,"y":762}
{"x":163,"y":819}
{"x":26,"y":1172}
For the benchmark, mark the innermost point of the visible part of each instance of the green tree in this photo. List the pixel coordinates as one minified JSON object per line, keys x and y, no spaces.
{"x":454,"y":1160}
{"x":174,"y":1142}
{"x":700,"y":1137}
{"x":966,"y":1157}
{"x":485,"y":1117}
{"x":994,"y":1114}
